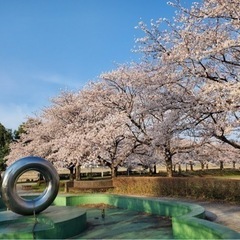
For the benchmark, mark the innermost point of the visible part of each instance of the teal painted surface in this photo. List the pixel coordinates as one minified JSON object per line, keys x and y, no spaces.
{"x":149,"y":205}
{"x":53,"y":223}
{"x":120,"y":223}
{"x":64,"y":228}
{"x":187,"y":219}
{"x":60,"y":201}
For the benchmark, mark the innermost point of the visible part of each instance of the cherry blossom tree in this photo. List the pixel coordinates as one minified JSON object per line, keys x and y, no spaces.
{"x":203,"y":52}
{"x":157,"y":109}
{"x":78,"y":127}
{"x":202,"y":48}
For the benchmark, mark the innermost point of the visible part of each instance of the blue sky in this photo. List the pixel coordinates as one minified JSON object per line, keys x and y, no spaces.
{"x":49,"y":46}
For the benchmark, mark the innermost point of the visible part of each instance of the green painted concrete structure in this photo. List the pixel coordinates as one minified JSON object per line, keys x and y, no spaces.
{"x":187,"y":219}
{"x":63,"y":220}
{"x":53,"y":223}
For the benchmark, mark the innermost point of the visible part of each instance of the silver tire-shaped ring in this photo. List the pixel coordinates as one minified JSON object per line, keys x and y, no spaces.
{"x":25,"y":206}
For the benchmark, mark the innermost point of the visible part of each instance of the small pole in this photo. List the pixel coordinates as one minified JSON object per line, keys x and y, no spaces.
{"x":103,"y":213}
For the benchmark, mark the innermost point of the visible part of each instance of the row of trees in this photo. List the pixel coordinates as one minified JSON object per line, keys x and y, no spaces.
{"x":180,"y":104}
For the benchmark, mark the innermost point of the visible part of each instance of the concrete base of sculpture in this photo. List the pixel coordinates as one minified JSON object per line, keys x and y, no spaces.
{"x":53,"y":223}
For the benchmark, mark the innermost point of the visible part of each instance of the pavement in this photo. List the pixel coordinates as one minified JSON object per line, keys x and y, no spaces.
{"x":227,"y":214}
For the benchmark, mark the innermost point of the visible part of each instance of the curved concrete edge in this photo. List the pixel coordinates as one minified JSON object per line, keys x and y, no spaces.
{"x":187,"y":219}
{"x":196,"y":228}
{"x":53,"y":223}
{"x":67,"y":222}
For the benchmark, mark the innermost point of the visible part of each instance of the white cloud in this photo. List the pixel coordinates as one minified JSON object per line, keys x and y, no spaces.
{"x":21,"y":96}
{"x":12,"y":115}
{"x":62,"y":81}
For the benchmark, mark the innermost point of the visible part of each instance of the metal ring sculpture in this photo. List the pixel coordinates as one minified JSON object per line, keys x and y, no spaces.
{"x":29,"y":206}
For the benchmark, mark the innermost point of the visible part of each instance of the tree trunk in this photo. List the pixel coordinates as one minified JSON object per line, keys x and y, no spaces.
{"x":234,"y":164}
{"x":169,"y":165}
{"x":114,"y":171}
{"x":191,"y":166}
{"x":221,"y":165}
{"x":78,"y":172}
{"x":168,"y":160}
{"x":154,"y":169}
{"x":179,"y":168}
{"x":169,"y":168}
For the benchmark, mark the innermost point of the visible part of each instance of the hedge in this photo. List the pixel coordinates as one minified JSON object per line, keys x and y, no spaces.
{"x":197,"y":187}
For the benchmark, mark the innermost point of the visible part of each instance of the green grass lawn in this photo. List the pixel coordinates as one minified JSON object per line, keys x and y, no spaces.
{"x":225,"y":173}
